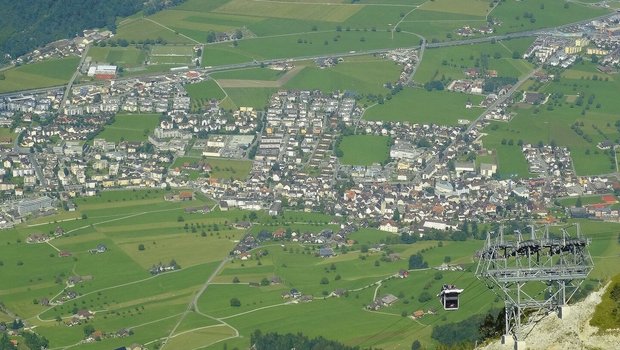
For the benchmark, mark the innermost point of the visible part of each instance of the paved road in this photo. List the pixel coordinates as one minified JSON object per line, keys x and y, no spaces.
{"x":431,"y":164}
{"x":73,"y":77}
{"x":255,"y":63}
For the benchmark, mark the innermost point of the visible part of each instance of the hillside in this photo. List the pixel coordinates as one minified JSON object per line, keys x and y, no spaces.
{"x":28,"y":24}
{"x":573,"y":332}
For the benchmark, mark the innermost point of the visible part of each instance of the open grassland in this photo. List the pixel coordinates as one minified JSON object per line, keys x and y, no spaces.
{"x":141,"y":29}
{"x":323,"y":12}
{"x":544,"y":14}
{"x":130,"y":127}
{"x":466,"y":7}
{"x":247,"y":97}
{"x":124,"y":295}
{"x":552,"y":123}
{"x":221,"y":168}
{"x":201,"y":93}
{"x":38,"y":75}
{"x":451,"y":62}
{"x":123,"y":56}
{"x":298,"y":45}
{"x":250,"y":74}
{"x":363,"y":75}
{"x":364,"y":149}
{"x":421,"y":106}
{"x":6,"y":135}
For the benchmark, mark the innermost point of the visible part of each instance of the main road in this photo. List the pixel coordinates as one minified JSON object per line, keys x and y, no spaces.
{"x":430,"y":45}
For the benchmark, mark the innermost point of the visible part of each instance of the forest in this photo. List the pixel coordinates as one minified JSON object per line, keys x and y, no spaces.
{"x":28,"y":24}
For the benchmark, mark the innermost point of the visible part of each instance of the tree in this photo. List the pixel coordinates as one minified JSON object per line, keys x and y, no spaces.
{"x":235,"y":279}
{"x":396,"y":216}
{"x":5,"y":342}
{"x":416,"y":261}
{"x":234,"y":302}
{"x":424,"y":297}
{"x":578,"y":203}
{"x":324,"y":280}
{"x":253,"y":216}
{"x":141,"y":247}
{"x":416,"y":345}
{"x":89,"y":329}
{"x":264,"y":282}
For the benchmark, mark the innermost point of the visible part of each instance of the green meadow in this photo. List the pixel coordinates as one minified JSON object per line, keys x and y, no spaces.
{"x":364,"y":149}
{"x":37,"y":75}
{"x":417,"y":105}
{"x":124,"y":56}
{"x":201,"y":93}
{"x":363,"y":75}
{"x":130,"y":127}
{"x":552,"y":122}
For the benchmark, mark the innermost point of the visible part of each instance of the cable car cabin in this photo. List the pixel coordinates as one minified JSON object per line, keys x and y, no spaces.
{"x":449,"y":297}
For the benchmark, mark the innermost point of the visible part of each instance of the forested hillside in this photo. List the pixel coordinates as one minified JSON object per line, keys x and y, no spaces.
{"x":27,"y":24}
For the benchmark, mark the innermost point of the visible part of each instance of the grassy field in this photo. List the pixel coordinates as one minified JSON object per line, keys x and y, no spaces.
{"x":201,"y":93}
{"x":451,"y":62}
{"x":221,"y":168}
{"x":250,"y":74}
{"x":247,"y":97}
{"x":553,"y":121}
{"x":124,"y":56}
{"x":141,"y":29}
{"x":311,"y":43}
{"x":364,"y":149}
{"x":364,"y":75}
{"x":6,"y":135}
{"x":123,"y":294}
{"x":38,"y":75}
{"x":544,"y":14}
{"x":130,"y":127}
{"x":421,"y":106}
{"x":172,"y":54}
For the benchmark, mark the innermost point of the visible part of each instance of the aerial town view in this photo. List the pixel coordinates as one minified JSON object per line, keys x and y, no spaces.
{"x":309,"y":174}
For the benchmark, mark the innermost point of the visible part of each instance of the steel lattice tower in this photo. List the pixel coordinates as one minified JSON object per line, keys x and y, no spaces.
{"x":536,"y":274}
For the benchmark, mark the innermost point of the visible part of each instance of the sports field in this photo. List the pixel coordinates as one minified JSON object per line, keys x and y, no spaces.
{"x":38,"y":75}
{"x":130,"y":127}
{"x":124,"y":56}
{"x":172,"y":54}
{"x":364,"y":149}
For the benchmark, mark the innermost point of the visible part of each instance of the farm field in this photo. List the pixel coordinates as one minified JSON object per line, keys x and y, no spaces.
{"x":311,"y":43}
{"x":543,"y":14}
{"x":221,"y":168}
{"x":201,"y":93}
{"x":552,"y":122}
{"x":123,"y":294}
{"x":450,"y":63}
{"x":364,"y":149}
{"x":130,"y":127}
{"x":38,"y":75}
{"x":421,"y":106}
{"x":247,"y":97}
{"x":362,"y":75}
{"x":250,"y":74}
